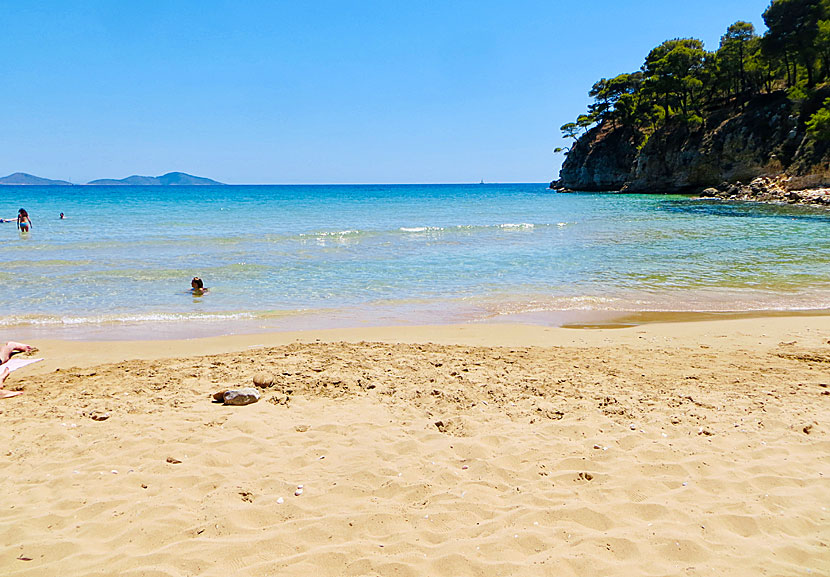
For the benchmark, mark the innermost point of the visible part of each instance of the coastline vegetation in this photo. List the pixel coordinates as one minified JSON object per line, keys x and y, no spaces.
{"x":681,"y":82}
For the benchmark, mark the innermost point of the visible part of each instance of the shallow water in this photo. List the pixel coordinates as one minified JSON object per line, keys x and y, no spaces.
{"x":282,"y":257}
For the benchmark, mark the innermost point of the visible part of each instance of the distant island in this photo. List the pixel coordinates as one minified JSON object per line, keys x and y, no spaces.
{"x":169,"y":179}
{"x":749,"y":120}
{"x":21,"y":178}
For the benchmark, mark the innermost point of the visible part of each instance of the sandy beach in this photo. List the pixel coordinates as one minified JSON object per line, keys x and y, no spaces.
{"x":694,"y":448}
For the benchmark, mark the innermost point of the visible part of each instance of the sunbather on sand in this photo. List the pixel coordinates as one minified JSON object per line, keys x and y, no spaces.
{"x":6,"y":352}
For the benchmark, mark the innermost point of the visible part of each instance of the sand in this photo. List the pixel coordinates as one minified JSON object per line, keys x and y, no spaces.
{"x":668,"y":449}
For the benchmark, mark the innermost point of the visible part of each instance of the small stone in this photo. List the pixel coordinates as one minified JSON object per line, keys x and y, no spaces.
{"x":99,"y":416}
{"x":298,"y":492}
{"x":173,"y":460}
{"x":280,"y":501}
{"x":241,"y":397}
{"x":263,"y":380}
{"x":301,"y":428}
{"x":633,"y":427}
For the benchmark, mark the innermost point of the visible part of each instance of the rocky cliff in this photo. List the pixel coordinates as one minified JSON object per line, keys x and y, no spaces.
{"x":767,"y":138}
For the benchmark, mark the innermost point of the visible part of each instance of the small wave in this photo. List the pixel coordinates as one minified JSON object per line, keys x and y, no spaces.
{"x":575,"y":303}
{"x":518,"y":226}
{"x":338,"y":233}
{"x":420,"y":228}
{"x":55,"y":320}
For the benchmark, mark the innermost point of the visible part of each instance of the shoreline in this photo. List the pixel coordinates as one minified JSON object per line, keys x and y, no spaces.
{"x":62,"y":353}
{"x":774,"y":190}
{"x":177,"y":329}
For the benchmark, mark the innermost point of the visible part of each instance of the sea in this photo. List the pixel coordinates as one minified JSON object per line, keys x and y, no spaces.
{"x":279,"y":258}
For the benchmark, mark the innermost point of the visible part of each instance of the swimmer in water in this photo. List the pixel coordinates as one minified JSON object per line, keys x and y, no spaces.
{"x":62,"y":217}
{"x":23,"y":222}
{"x":197,"y":286}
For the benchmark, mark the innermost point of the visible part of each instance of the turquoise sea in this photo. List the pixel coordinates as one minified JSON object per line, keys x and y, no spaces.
{"x":294,"y":257}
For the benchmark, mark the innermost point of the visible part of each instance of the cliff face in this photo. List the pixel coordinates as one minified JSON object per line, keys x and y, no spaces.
{"x":601,"y":160}
{"x":767,"y":138}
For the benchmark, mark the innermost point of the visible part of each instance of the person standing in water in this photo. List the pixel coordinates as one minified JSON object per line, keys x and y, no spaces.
{"x":23,"y":221}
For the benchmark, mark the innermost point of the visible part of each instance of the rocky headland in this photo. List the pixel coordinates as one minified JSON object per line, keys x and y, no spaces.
{"x":762,"y":152}
{"x":755,"y":109}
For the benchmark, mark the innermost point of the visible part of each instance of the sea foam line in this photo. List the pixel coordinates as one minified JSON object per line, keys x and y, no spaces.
{"x":50,"y":320}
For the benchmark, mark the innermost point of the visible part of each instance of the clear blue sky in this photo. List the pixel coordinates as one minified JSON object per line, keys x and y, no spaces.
{"x":318,"y":92}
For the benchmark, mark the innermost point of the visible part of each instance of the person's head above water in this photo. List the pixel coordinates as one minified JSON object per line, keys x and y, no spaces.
{"x":197,"y":283}
{"x":61,"y":215}
{"x":22,"y":212}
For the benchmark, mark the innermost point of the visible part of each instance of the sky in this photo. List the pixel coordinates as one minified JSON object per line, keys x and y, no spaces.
{"x":318,"y":92}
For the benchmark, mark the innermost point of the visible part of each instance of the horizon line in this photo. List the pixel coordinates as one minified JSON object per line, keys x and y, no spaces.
{"x":287,"y":184}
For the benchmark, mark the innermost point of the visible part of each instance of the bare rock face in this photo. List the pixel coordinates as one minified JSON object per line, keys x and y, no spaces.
{"x":599,"y":161}
{"x":244,"y":396}
{"x":727,"y":147}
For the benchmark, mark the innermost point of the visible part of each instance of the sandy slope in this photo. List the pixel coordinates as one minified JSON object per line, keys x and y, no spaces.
{"x":685,"y":449}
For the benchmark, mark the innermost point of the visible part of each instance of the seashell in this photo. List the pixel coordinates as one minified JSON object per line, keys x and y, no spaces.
{"x":298,"y":492}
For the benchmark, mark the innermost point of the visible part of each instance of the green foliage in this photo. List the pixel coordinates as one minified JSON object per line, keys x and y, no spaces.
{"x":680,"y":81}
{"x":818,"y":127}
{"x":796,"y":93}
{"x":794,"y":36}
{"x":673,"y":74}
{"x":570,"y":130}
{"x":738,"y":54}
{"x":615,"y":98}
{"x":695,"y":121}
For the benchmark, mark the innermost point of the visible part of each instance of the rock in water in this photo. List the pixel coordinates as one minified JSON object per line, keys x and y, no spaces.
{"x":263,"y":380}
{"x":244,"y":396}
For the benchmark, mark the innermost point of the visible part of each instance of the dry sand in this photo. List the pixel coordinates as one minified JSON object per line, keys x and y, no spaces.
{"x":670,"y":449}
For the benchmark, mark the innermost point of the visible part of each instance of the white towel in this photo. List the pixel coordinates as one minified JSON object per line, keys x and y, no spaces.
{"x":15,"y":363}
